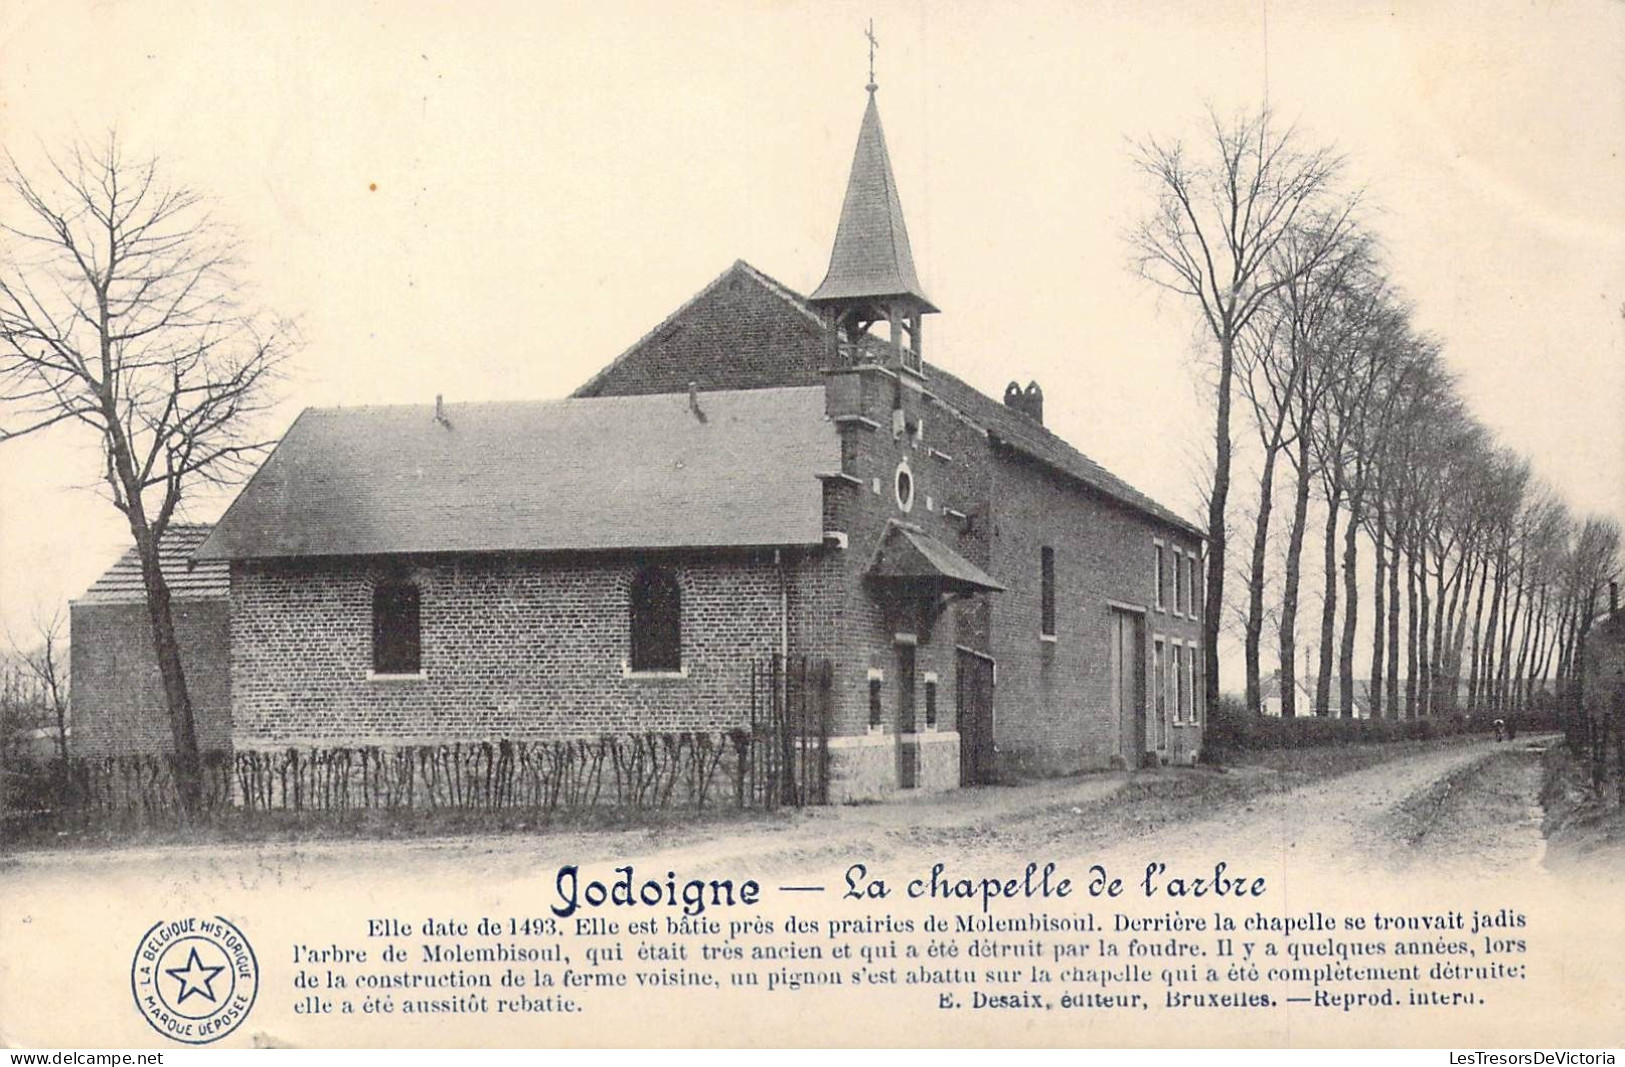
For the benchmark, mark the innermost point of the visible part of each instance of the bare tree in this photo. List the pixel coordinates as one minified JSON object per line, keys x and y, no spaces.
{"x":1268,"y":373}
{"x":42,"y":659}
{"x":120,"y":314}
{"x":1324,"y":311}
{"x":1212,"y":236}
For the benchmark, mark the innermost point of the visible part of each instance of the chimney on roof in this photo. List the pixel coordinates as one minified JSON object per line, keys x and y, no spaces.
{"x":1035,"y":403}
{"x":440,"y":411}
{"x":1029,"y":401}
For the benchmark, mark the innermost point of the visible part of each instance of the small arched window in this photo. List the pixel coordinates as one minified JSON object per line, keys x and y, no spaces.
{"x":657,"y":621}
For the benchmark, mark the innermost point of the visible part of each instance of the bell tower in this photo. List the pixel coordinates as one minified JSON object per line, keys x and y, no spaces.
{"x":871,"y":278}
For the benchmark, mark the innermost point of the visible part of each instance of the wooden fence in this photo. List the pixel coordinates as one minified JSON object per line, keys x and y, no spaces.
{"x":779,"y":759}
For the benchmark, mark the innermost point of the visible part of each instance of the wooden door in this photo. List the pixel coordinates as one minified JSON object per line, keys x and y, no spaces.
{"x":1126,"y":637}
{"x":907,"y":754}
{"x":1159,"y":695}
{"x":973,"y":716}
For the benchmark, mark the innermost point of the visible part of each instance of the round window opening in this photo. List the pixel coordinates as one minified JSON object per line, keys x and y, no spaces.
{"x":905,"y":487}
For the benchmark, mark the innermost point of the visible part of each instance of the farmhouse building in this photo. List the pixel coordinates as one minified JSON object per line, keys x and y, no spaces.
{"x":764,"y":476}
{"x":118,"y":695}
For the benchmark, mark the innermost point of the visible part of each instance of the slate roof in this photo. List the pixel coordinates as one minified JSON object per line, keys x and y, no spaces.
{"x":121,"y":584}
{"x":871,"y":256}
{"x":1016,"y":431}
{"x":1005,"y":424}
{"x":911,"y":555}
{"x":632,"y":472}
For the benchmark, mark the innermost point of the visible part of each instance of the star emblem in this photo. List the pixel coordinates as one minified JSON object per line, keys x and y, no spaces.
{"x":194,"y":978}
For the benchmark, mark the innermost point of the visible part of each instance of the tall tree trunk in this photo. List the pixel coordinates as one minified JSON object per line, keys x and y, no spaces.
{"x":1520,"y":697}
{"x":183,"y":728}
{"x":1564,"y":628}
{"x":1328,"y":602}
{"x":1436,"y":664}
{"x":1503,"y":685}
{"x":1351,"y":604}
{"x":1410,"y":611}
{"x":1394,"y":708}
{"x":1255,"y":584}
{"x":1425,"y":664}
{"x":1289,"y":595}
{"x":1486,"y":673}
{"x":1562,"y":637}
{"x":1378,"y":614}
{"x":1217,"y":501}
{"x":1458,"y":626}
{"x":1478,"y":619}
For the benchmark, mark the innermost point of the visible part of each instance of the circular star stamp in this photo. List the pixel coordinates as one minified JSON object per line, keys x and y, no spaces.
{"x":195,"y":978}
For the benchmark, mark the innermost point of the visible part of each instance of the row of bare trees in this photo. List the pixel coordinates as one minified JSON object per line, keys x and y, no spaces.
{"x":1482,"y":585}
{"x":34,"y":694}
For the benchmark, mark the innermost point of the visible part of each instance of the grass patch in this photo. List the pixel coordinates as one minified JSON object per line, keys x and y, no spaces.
{"x":1583,"y":825}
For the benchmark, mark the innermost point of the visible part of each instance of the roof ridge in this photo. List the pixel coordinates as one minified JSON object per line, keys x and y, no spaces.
{"x":555,"y":401}
{"x":1045,"y":434}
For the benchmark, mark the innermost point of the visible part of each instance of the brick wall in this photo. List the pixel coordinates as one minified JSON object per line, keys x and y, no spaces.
{"x":736,"y":334}
{"x":946,"y":462}
{"x":1054,"y":702}
{"x":118,"y":696}
{"x":510,"y":647}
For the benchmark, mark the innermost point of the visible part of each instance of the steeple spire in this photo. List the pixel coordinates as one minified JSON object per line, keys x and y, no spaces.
{"x":871,"y":275}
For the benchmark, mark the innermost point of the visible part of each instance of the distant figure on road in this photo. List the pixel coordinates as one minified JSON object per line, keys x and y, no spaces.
{"x":1500,"y":730}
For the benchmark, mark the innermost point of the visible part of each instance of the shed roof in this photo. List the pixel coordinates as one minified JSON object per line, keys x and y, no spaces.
{"x":626,"y":472}
{"x":911,"y":555}
{"x":187,"y":580}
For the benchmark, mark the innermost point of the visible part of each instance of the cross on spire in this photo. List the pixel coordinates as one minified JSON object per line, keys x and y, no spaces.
{"x":874,"y":43}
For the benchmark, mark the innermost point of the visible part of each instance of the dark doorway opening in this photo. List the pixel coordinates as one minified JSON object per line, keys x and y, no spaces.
{"x":973,"y":714}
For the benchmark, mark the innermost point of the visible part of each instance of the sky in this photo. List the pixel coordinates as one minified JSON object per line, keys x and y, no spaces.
{"x":494,"y":201}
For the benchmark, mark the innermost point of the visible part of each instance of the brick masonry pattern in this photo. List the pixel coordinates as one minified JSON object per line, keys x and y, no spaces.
{"x":520,"y":648}
{"x":118,"y":696}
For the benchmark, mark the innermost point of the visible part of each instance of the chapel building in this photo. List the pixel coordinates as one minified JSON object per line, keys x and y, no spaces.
{"x":763,"y":476}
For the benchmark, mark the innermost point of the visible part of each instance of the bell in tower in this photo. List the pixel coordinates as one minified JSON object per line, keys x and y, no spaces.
{"x":871,"y":278}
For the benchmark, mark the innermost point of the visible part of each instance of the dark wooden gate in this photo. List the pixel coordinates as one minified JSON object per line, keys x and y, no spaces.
{"x":1127,"y":648}
{"x":973,"y":710}
{"x":788,"y":758}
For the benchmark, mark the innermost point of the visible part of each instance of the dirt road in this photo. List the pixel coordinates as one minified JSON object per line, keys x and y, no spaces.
{"x":1429,"y":826}
{"x":1472,"y":803}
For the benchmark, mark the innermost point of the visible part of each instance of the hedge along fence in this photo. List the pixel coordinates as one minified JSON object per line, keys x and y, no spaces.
{"x":1231,"y":727}
{"x":636,"y":771}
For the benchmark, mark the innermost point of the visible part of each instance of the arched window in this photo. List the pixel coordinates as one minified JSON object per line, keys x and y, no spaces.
{"x":397,"y":639}
{"x":657,"y":621}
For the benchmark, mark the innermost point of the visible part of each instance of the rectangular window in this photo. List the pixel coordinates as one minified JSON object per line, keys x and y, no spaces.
{"x":1190,"y":687}
{"x":1046,"y":608}
{"x":1160,"y":598}
{"x":397,"y":638}
{"x":1196,"y":587}
{"x":1159,"y":685}
{"x":1179,"y":683}
{"x":1195,"y":693}
{"x":1196,"y":598}
{"x":1179,"y":583}
{"x":874,"y":701}
{"x":931,"y":701}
